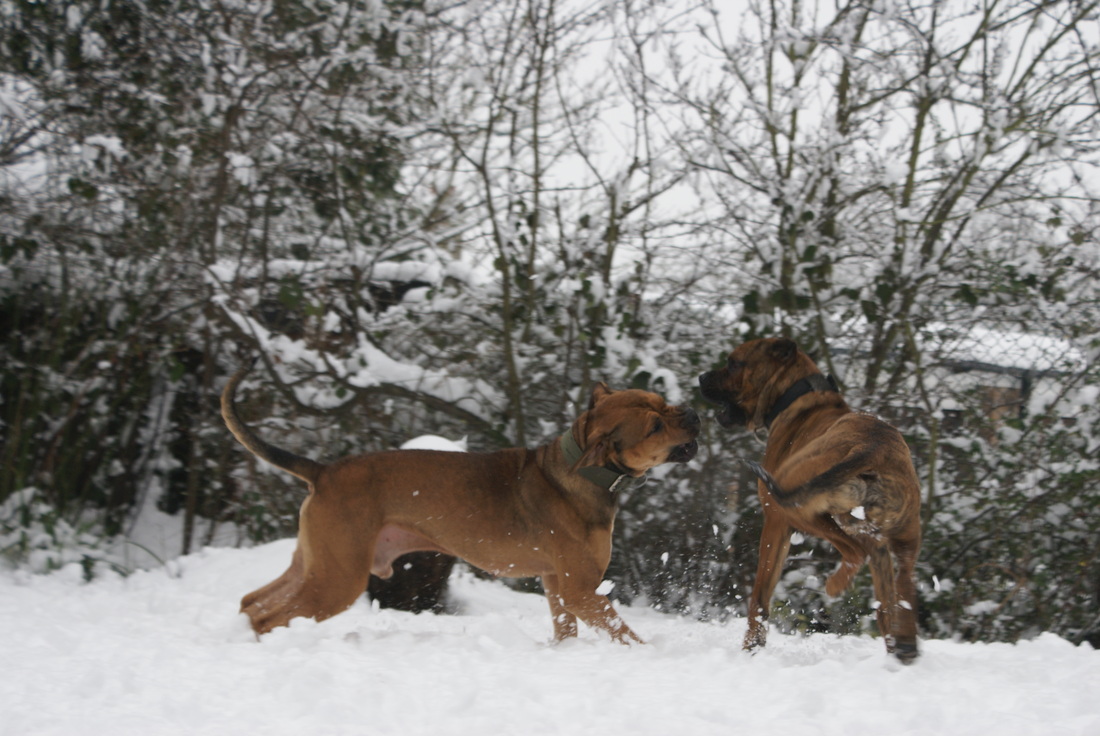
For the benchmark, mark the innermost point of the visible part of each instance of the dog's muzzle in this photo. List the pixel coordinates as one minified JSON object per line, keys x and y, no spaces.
{"x":682,"y":453}
{"x":729,"y":414}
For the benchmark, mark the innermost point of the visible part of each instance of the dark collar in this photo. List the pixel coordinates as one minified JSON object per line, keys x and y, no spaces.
{"x":606,"y":478}
{"x":798,"y":389}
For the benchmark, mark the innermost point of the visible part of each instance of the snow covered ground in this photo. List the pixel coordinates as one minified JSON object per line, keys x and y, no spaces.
{"x":164,"y":652}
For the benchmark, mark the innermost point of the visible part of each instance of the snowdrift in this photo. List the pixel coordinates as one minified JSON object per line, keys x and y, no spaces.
{"x":165,"y":652}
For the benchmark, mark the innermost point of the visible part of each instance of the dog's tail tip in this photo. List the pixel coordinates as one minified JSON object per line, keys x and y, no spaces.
{"x":235,"y":379}
{"x":247,"y":364}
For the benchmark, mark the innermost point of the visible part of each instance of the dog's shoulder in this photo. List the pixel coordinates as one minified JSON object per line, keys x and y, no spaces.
{"x":561,"y":491}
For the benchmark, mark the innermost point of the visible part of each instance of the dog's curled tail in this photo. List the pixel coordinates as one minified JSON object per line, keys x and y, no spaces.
{"x":302,"y":467}
{"x":832,"y":478}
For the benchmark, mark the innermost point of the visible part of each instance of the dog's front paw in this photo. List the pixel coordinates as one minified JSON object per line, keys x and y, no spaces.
{"x":623,"y":634}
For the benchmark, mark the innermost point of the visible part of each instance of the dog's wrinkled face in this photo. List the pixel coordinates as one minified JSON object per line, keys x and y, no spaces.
{"x":755,"y":375}
{"x":636,"y":430}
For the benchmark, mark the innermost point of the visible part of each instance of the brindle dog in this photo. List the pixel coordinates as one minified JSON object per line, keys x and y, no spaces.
{"x":518,"y":513}
{"x":841,"y":475}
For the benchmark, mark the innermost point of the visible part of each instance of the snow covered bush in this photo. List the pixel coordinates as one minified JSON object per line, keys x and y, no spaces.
{"x":34,"y":536}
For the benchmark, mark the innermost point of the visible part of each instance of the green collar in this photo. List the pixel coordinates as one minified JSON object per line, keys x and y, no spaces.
{"x":603,"y":477}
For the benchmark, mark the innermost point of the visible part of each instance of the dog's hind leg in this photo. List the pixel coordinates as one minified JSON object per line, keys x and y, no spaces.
{"x":896,"y":613}
{"x":851,"y":560}
{"x":852,"y":554}
{"x":775,"y":544}
{"x":882,"y":574}
{"x":266,"y":607}
{"x":329,"y":571}
{"x":905,"y":623}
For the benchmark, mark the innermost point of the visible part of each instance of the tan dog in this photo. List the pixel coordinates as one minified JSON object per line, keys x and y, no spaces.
{"x":516,"y":513}
{"x":828,"y":471}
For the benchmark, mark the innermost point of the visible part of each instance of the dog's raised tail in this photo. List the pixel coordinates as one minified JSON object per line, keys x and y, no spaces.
{"x":302,"y":467}
{"x":835,"y":476}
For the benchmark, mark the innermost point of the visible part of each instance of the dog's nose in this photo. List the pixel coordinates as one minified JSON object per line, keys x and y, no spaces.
{"x":691,"y":420}
{"x":706,"y":383}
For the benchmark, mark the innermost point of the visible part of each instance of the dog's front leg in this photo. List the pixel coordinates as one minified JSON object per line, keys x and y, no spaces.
{"x":775,"y":543}
{"x":597,"y":612}
{"x":565,"y":623}
{"x":577,"y":595}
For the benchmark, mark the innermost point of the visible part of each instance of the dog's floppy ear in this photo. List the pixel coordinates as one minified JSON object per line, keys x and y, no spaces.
{"x":783,"y":350}
{"x":599,"y":392}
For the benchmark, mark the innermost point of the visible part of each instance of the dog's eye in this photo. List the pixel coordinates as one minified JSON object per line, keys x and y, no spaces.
{"x":657,"y":427}
{"x":735,"y":365}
